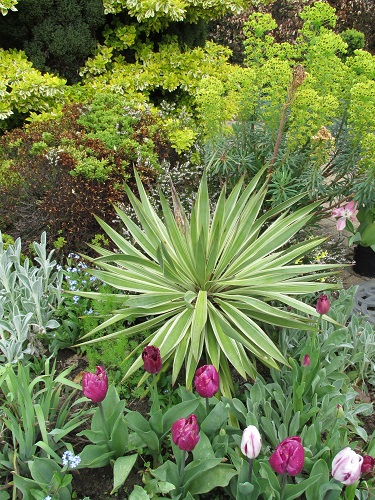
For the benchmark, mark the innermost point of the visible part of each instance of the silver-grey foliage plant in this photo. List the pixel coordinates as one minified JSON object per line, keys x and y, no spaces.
{"x":29,"y":295}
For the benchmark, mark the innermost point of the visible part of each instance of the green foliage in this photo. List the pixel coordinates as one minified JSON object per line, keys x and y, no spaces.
{"x":24,"y":89}
{"x":305,"y":109}
{"x":37,"y":414}
{"x":354,"y":39}
{"x":73,"y":166}
{"x":57,"y":36}
{"x":29,"y":296}
{"x":158,"y":15}
{"x":7,"y":5}
{"x":205,"y":284}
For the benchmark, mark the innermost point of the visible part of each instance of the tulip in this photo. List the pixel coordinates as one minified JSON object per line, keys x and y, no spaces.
{"x":289,"y":456}
{"x":346,"y":466}
{"x":151,"y":359}
{"x":251,"y":442}
{"x":95,"y":385}
{"x":185,"y":433}
{"x":323,"y":305}
{"x":367,"y":464}
{"x":206,"y":381}
{"x":306,"y":361}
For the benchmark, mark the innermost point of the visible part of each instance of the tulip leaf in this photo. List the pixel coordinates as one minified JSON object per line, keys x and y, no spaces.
{"x":95,"y":456}
{"x":209,"y":478}
{"x":295,"y":490}
{"x":320,"y":467}
{"x":121,"y":470}
{"x":138,"y":493}
{"x":215,"y":420}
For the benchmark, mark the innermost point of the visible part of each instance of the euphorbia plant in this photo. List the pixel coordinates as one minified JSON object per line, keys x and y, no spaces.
{"x":203,"y":284}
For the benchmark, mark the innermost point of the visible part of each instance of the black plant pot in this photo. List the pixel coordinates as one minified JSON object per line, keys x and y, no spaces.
{"x":364,"y":261}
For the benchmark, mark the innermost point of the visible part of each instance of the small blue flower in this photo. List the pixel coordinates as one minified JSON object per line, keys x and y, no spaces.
{"x":90,"y":311}
{"x":75,"y":299}
{"x":92,"y":278}
{"x":48,"y":498}
{"x":58,"y":267}
{"x":70,"y":460}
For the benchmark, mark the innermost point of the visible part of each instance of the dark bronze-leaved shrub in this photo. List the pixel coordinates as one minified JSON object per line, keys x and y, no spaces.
{"x":56,"y":175}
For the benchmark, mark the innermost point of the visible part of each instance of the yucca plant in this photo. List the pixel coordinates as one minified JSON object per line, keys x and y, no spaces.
{"x":204,"y":286}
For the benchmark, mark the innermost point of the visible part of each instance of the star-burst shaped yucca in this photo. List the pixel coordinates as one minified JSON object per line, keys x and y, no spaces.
{"x":204,"y":286}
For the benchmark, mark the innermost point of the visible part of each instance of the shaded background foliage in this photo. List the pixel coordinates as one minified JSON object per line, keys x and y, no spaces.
{"x":48,"y":179}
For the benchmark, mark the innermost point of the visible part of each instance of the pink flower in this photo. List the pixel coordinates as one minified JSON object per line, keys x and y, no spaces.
{"x":346,"y":466}
{"x":95,"y":385}
{"x":347,"y":212}
{"x":185,"y":432}
{"x":251,"y":442}
{"x":289,"y":456}
{"x":306,"y":361}
{"x":367,"y":464}
{"x":323,"y":305}
{"x":206,"y":381}
{"x":151,"y":359}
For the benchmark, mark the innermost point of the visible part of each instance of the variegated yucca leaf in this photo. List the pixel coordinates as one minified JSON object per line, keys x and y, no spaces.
{"x":204,"y":286}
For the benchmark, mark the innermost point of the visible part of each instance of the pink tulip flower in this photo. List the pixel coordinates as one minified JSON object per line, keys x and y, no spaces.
{"x":344,"y":213}
{"x":95,"y":385}
{"x":306,"y":361}
{"x":289,"y":456}
{"x":185,"y":433}
{"x":346,"y":466}
{"x":323,"y":305}
{"x":206,"y":381}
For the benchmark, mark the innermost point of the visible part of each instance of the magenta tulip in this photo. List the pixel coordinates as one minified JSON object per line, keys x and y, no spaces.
{"x":151,"y":359}
{"x":185,"y":433}
{"x":323,"y":305}
{"x":206,"y":381}
{"x":306,"y":361}
{"x":95,"y":385}
{"x":288,"y":457}
{"x":346,"y":466}
{"x":367,"y":464}
{"x":251,"y":442}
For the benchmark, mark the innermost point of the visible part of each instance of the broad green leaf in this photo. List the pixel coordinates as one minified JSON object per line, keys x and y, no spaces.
{"x":121,"y":470}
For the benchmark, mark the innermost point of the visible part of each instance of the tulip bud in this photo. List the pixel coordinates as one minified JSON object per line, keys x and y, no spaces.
{"x":251,"y":442}
{"x":339,"y":411}
{"x":323,"y":305}
{"x":367,"y":464}
{"x":185,"y":433}
{"x":151,"y":359}
{"x":95,"y":385}
{"x":346,"y":466}
{"x":306,"y":361}
{"x":288,"y":457}
{"x":206,"y":381}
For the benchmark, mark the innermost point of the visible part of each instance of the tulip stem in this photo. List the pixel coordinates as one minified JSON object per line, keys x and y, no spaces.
{"x":182,"y":468}
{"x":207,"y":406}
{"x":250,"y":469}
{"x":103,"y":420}
{"x":283,"y":485}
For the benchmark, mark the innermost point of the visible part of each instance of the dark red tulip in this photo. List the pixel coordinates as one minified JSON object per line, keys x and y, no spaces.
{"x":206,"y":381}
{"x":367,"y":464}
{"x":288,"y":457}
{"x":95,"y":385}
{"x":185,"y":432}
{"x":323,"y":305}
{"x":151,"y":359}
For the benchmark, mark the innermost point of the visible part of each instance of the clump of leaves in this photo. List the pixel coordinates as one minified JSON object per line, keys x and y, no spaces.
{"x":203,"y":286}
{"x":62,"y":171}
